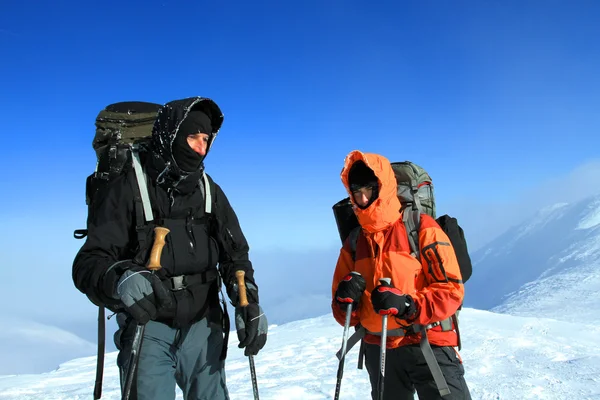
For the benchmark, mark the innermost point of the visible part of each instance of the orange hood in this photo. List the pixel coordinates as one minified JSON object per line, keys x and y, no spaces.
{"x":386,"y":209}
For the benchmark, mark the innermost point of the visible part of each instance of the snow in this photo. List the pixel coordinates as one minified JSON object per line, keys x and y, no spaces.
{"x":549,"y":244}
{"x":505,"y":357}
{"x":530,"y":329}
{"x":592,"y":219}
{"x":27,"y":343}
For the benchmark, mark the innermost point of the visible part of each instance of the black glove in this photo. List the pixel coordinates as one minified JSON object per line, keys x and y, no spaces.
{"x":143,"y":294}
{"x":350,"y":290}
{"x":387,"y":300}
{"x":251,"y":324}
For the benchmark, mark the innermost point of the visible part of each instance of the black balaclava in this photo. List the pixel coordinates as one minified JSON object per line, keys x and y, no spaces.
{"x":361,"y":176}
{"x":186,"y":158}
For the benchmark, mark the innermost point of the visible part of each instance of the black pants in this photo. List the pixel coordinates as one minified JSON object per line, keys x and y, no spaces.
{"x":406,"y":372}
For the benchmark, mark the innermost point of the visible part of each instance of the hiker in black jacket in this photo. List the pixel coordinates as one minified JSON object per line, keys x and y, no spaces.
{"x":185,"y":324}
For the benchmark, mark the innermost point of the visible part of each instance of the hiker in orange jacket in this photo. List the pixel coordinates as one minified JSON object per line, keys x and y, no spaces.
{"x":421,"y":293}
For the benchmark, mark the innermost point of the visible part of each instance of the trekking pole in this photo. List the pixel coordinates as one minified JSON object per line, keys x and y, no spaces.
{"x":243,"y":303}
{"x":383,"y":349}
{"x":153,"y":265}
{"x":100,"y":356}
{"x":340,"y":370}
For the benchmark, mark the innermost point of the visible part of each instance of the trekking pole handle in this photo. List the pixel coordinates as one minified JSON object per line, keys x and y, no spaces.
{"x":386,"y":280}
{"x":243,"y":298}
{"x":159,"y":242}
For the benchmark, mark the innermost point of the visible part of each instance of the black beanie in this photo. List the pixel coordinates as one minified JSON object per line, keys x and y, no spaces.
{"x":361,"y":176}
{"x":195,"y":122}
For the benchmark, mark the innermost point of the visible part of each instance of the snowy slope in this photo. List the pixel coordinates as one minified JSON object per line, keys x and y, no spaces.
{"x":547,"y":266}
{"x":25,"y":343}
{"x":506,"y":358}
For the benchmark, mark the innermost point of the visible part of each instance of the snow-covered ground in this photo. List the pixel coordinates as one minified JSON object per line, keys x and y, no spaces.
{"x":505,"y":357}
{"x":539,"y":341}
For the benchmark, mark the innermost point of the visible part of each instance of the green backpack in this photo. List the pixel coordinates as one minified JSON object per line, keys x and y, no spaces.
{"x":122,"y":130}
{"x":415,"y":192}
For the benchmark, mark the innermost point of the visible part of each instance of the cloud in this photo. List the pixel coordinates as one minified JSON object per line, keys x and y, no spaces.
{"x":294,"y":284}
{"x":485,"y":221}
{"x":30,"y":347}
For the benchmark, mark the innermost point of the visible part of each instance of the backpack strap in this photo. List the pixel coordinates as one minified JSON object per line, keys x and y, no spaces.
{"x":210,"y":199}
{"x":143,"y":207}
{"x":207,"y":195}
{"x":411,"y":217}
{"x":432,"y":363}
{"x":353,"y":237}
{"x":141,"y":181}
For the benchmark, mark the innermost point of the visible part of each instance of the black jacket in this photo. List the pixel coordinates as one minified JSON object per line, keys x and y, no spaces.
{"x":196,"y":244}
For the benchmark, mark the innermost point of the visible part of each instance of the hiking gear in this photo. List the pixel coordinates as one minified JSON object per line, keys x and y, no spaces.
{"x":134,"y":357}
{"x":100,"y":354}
{"x":386,"y":282}
{"x":143,"y":294}
{"x":457,"y":238}
{"x":415,"y":187}
{"x":205,"y":232}
{"x":253,"y":378}
{"x":169,"y":119}
{"x":413,"y":277}
{"x":436,"y":372}
{"x":377,"y":250}
{"x":188,"y":357}
{"x":185,"y":157}
{"x":342,"y":358}
{"x":132,"y":284}
{"x":413,"y":241}
{"x":204,"y":228}
{"x":387,"y":300}
{"x":195,"y":122}
{"x":251,"y":325}
{"x":120,"y":127}
{"x":350,"y":290}
{"x":407,"y":372}
{"x":385,"y":210}
{"x":415,"y":191}
{"x":251,"y":292}
{"x":243,"y":303}
{"x":345,"y":219}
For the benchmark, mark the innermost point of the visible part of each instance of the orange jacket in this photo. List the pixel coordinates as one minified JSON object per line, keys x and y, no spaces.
{"x":383,"y":251}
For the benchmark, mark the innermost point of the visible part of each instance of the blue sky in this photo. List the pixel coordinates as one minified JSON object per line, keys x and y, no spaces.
{"x":494,"y":99}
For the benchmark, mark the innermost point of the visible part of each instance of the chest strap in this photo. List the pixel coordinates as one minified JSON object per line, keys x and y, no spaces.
{"x":180,"y":282}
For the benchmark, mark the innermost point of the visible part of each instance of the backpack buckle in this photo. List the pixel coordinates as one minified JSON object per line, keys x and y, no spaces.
{"x":177,"y":283}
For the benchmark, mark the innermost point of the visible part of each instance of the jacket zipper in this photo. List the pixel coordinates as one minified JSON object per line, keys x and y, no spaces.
{"x":188,"y":225}
{"x":233,"y":243}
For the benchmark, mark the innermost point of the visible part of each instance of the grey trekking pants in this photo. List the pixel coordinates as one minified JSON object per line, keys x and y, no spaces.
{"x":187,"y":357}
{"x":406,"y":372}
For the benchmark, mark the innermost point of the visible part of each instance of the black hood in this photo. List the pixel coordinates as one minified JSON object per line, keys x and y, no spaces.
{"x":170,"y":117}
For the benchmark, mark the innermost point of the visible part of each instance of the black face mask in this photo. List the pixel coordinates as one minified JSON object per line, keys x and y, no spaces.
{"x":186,"y":158}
